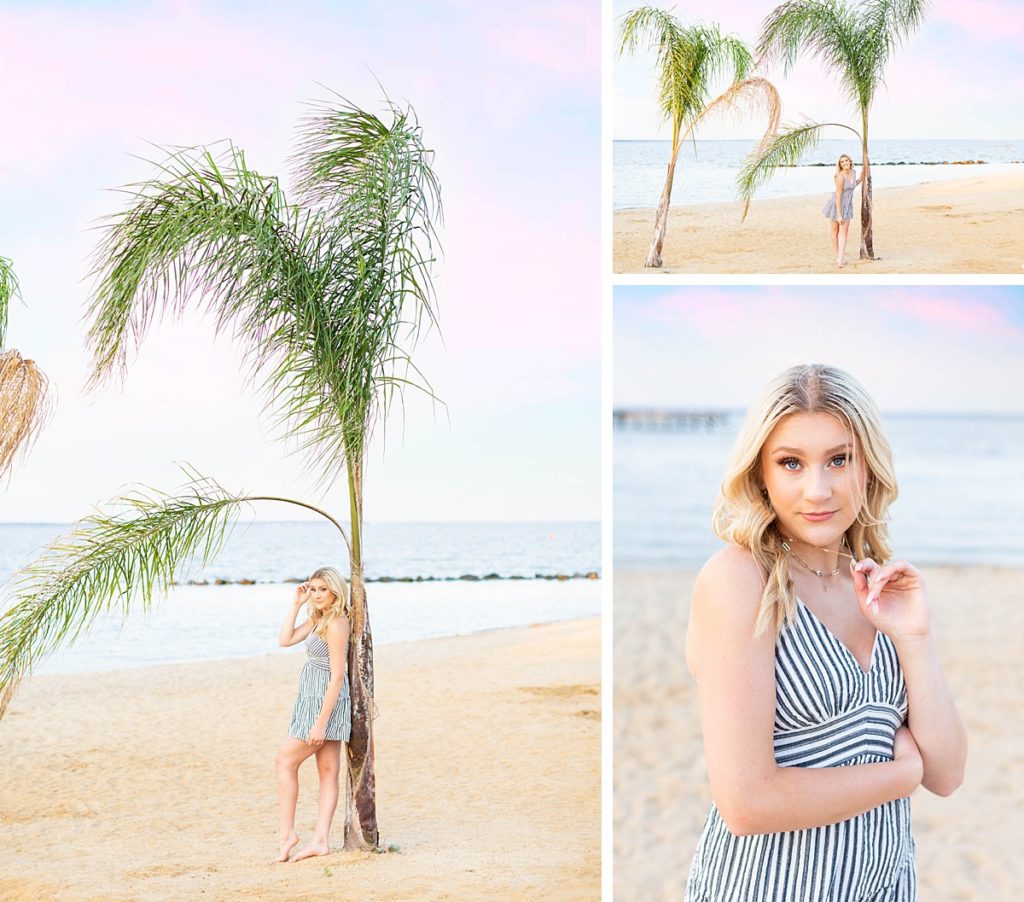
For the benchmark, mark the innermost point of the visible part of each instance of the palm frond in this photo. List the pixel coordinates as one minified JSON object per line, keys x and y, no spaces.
{"x":8,"y":291}
{"x":382,"y":200}
{"x":747,"y":98}
{"x":784,"y":149}
{"x":108,"y":562}
{"x":201,"y":226}
{"x":25,"y":405}
{"x":689,"y":60}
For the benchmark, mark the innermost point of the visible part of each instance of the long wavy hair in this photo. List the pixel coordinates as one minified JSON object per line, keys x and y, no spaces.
{"x":342,"y":605}
{"x":743,"y":515}
{"x":839,"y":164}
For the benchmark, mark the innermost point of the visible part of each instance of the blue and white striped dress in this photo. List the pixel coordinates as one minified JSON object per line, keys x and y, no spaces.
{"x":829,"y":713}
{"x":316,"y":674}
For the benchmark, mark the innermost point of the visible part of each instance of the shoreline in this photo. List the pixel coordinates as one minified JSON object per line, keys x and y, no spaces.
{"x":211,"y":623}
{"x":488,"y":777}
{"x":660,"y":776}
{"x":962,"y":225}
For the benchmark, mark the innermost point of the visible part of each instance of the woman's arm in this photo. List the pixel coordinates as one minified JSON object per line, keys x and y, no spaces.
{"x":896,"y":602}
{"x":290,"y":633}
{"x":337,"y":643}
{"x":840,"y":181}
{"x":736,"y":689}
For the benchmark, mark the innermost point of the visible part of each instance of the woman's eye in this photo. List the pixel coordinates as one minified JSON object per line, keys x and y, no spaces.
{"x":789,"y":463}
{"x":839,"y":460}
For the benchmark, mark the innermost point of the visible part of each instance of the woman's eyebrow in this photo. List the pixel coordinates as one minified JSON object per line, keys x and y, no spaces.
{"x":837,"y":448}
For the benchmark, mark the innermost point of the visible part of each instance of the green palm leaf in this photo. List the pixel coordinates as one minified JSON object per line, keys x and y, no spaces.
{"x":785,"y":149}
{"x":126,"y":555}
{"x":8,"y":291}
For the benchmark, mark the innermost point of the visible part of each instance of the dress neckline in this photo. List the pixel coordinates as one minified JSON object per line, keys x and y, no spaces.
{"x":843,"y":645}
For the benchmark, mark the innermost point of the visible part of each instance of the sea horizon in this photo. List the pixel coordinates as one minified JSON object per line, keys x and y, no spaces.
{"x":961,"y":491}
{"x":707,"y":168}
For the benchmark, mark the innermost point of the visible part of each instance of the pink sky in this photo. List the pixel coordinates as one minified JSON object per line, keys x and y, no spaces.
{"x":958,"y":76}
{"x":518,"y":160}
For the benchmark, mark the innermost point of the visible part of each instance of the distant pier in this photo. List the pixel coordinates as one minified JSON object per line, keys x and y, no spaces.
{"x":664,"y":420}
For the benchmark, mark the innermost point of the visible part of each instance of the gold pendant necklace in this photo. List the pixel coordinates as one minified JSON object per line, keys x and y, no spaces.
{"x":821,"y":574}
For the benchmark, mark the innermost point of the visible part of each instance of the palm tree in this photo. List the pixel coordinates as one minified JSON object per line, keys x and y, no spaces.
{"x":323,"y":293}
{"x":24,"y":391}
{"x":854,"y":43}
{"x":690,"y":60}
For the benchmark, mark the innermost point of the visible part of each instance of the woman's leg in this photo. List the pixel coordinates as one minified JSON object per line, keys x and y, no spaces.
{"x":844,"y":230}
{"x":835,"y":238}
{"x":328,"y":765}
{"x":291,"y":754}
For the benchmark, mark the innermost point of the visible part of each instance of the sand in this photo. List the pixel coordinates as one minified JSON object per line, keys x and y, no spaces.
{"x":967,"y":844}
{"x":158,"y":783}
{"x":969,"y":225}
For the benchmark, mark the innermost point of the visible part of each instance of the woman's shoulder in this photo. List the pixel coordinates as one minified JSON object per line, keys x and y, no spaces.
{"x":731,"y":580}
{"x":338,"y":626}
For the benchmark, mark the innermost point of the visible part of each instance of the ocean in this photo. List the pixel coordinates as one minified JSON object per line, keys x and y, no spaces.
{"x":424,"y":580}
{"x":961,"y":484}
{"x":706,"y":170}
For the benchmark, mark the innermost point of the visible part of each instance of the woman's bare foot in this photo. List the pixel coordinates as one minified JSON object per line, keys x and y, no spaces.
{"x":286,"y":847}
{"x":315,"y":848}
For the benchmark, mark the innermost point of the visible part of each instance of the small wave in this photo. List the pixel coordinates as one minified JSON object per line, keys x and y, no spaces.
{"x":466,"y":577}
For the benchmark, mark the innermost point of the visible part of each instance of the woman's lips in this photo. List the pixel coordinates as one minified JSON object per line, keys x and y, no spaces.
{"x":818,"y":517}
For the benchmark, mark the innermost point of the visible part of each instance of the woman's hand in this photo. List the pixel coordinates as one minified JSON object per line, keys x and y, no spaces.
{"x":301,"y":595}
{"x":893,"y":598}
{"x":318,"y":734}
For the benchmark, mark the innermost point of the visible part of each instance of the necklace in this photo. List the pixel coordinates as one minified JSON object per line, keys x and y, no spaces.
{"x":821,"y":574}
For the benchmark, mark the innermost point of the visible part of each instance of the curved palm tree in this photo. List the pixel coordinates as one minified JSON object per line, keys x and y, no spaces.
{"x":24,"y":391}
{"x":854,"y":43}
{"x":327,"y":295}
{"x":690,"y":61}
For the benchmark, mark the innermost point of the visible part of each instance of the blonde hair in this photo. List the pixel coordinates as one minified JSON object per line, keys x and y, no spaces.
{"x":743,"y":515}
{"x":341,"y":606}
{"x":839,"y":163}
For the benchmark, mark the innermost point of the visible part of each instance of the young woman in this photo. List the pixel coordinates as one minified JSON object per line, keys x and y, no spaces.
{"x":839,"y":206}
{"x":322,"y":716}
{"x":823,"y":704}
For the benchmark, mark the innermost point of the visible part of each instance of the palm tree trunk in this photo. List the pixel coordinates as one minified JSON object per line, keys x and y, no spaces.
{"x":661,"y":220}
{"x":361,"y":803}
{"x":867,"y":244}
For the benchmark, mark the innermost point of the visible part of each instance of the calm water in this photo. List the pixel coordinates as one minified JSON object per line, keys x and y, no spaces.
{"x":706,"y":171}
{"x":275,"y":552}
{"x":208,"y":622}
{"x":961,"y":482}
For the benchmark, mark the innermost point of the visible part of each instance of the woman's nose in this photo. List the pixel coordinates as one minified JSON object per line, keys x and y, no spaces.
{"x":817,"y":488}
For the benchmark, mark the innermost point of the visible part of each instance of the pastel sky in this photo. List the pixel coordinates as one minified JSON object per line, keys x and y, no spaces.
{"x":916,"y":349}
{"x":511,"y":106}
{"x":958,"y":76}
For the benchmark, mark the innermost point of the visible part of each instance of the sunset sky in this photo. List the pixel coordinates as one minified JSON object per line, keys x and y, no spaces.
{"x":511,"y":106}
{"x":958,"y":76}
{"x":916,"y":349}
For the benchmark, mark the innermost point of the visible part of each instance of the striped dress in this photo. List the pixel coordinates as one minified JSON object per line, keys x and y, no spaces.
{"x":829,"y":210}
{"x":316,"y":674}
{"x":829,"y":713}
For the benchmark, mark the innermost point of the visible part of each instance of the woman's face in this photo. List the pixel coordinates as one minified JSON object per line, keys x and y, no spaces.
{"x":845,"y":162}
{"x":320,"y":594}
{"x":812,"y":478}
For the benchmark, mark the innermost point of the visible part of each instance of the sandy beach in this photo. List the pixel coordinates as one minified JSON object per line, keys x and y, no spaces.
{"x":967,"y":844}
{"x":969,"y":225}
{"x":158,"y":784}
